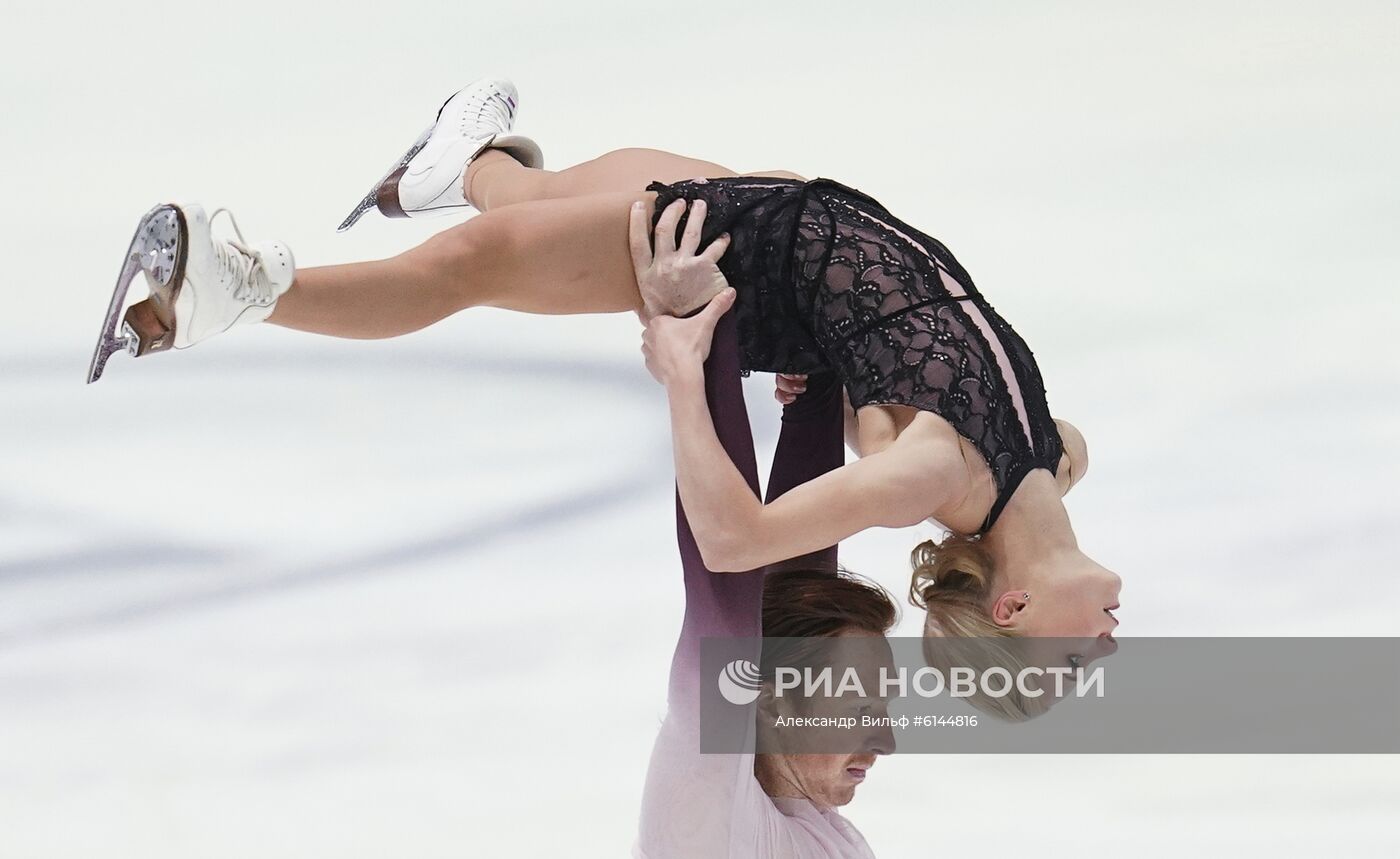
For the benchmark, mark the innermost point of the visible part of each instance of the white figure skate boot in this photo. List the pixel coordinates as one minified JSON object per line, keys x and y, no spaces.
{"x":200,"y":286}
{"x":428,"y":178}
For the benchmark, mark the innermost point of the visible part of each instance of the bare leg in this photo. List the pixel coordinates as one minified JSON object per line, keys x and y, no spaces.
{"x":567,"y":255}
{"x":495,"y":179}
{"x":551,"y":243}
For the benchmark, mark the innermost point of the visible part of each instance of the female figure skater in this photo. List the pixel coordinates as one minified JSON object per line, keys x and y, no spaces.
{"x":760,"y":806}
{"x":947,"y":405}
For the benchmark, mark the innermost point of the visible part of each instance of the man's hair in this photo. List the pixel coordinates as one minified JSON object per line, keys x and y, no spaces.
{"x":812,"y":603}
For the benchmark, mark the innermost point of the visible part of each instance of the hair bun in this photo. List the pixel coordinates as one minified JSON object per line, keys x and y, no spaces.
{"x":957,"y":568}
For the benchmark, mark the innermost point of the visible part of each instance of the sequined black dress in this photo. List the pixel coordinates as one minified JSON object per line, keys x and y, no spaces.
{"x":829,"y":280}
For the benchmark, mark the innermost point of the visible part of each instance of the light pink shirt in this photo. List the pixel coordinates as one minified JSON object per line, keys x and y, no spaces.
{"x":700,"y":806}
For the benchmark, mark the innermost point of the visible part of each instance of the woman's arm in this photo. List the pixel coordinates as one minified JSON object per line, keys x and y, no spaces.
{"x":901,"y":485}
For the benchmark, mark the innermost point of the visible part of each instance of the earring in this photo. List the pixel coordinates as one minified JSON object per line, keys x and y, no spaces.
{"x":1026,"y":595}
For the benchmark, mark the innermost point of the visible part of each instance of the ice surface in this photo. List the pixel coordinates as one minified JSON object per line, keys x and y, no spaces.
{"x":286,"y":596}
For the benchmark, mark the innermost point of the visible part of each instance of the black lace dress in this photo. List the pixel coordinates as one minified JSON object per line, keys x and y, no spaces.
{"x":829,"y":280}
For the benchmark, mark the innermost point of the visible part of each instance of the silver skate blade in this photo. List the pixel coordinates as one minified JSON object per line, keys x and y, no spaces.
{"x":157,"y":248}
{"x":369,"y":201}
{"x":108,"y":342}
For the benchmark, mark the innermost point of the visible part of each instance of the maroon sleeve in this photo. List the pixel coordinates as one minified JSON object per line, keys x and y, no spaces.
{"x":811,"y":442}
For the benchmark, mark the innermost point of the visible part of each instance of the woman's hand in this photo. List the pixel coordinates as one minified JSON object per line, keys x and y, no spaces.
{"x":676,"y":349}
{"x":675,"y":279}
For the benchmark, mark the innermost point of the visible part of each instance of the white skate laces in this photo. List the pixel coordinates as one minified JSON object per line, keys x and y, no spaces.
{"x":227,"y":282}
{"x":492,"y":111}
{"x":241,"y":268}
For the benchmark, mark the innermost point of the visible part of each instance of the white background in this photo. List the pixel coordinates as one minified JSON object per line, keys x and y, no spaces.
{"x":289,"y":596}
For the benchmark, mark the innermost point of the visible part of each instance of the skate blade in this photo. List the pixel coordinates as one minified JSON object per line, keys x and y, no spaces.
{"x":159,"y":249}
{"x":386,"y":189}
{"x":371,"y":200}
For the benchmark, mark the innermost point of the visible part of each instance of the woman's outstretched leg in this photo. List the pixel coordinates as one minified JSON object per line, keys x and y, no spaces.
{"x":553,"y":256}
{"x":547,"y":242}
{"x":495,"y":179}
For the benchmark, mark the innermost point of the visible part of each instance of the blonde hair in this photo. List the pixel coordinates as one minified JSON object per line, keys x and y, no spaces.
{"x":953,"y":580}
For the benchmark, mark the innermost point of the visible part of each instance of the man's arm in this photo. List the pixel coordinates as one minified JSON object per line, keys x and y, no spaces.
{"x":696,"y":804}
{"x":808,"y":447}
{"x":715,"y":605}
{"x":791,"y":385}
